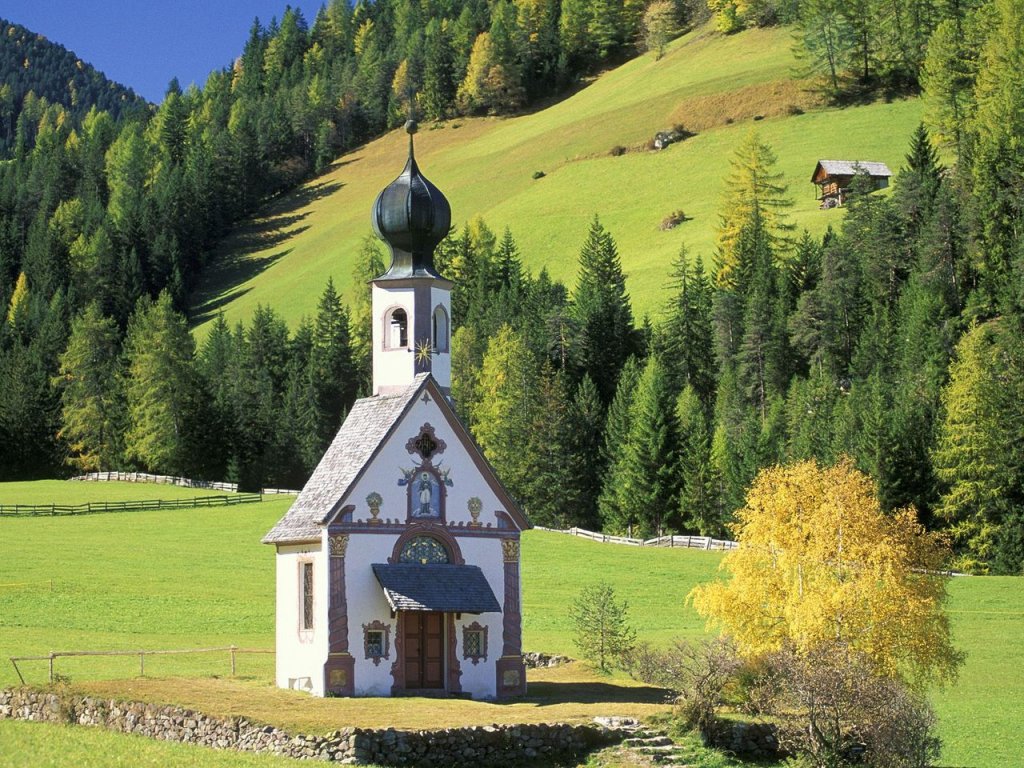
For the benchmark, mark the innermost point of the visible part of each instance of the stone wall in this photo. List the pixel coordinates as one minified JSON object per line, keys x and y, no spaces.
{"x":750,"y":740}
{"x":499,"y":745}
{"x":534,"y":660}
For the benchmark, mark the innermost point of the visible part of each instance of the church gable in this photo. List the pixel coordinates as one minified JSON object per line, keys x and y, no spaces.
{"x":428,"y":470}
{"x":366,"y":427}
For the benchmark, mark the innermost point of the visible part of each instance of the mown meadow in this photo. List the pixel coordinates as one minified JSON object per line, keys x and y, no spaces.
{"x":719,"y":87}
{"x":200,"y":578}
{"x":39,"y":492}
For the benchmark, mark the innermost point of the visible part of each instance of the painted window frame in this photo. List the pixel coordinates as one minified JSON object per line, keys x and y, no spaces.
{"x":307,"y":595}
{"x":476,"y":629}
{"x":377,"y":627}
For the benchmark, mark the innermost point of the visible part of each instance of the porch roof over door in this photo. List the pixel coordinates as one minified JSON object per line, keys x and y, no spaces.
{"x":436,"y":587}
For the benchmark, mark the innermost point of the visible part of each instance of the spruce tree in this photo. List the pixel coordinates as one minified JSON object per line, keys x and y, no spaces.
{"x":331,"y":366}
{"x":697,"y":508}
{"x":601,"y":312}
{"x":585,"y":445}
{"x":616,"y":435}
{"x":647,"y":479}
{"x":685,"y":340}
{"x":549,"y":494}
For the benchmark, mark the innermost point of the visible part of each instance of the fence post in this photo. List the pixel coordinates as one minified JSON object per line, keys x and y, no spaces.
{"x":51,"y":667}
{"x":233,"y":649}
{"x":14,"y":662}
{"x":142,"y":664}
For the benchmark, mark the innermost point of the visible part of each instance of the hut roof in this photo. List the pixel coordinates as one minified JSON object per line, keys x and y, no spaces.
{"x":851,"y":168}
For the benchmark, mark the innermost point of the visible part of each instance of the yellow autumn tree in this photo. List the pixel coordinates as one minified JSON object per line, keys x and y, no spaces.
{"x":819,"y":563}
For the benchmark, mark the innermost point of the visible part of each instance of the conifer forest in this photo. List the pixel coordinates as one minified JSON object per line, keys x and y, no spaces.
{"x":896,"y":339}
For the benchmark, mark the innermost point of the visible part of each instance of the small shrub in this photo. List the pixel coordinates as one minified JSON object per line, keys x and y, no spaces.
{"x":729,"y":121}
{"x":697,"y":673}
{"x":831,"y":706}
{"x":793,"y":110}
{"x":758,"y":118}
{"x":539,"y":174}
{"x":603,"y":634}
{"x":673,"y":220}
{"x":617,"y":151}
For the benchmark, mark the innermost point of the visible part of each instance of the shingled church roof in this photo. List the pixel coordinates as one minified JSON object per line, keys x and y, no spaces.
{"x":366,"y":429}
{"x":367,"y":425}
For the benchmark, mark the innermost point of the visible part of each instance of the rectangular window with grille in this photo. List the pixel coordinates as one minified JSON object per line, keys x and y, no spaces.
{"x":307,"y":595}
{"x":374,"y":644}
{"x":473,"y":644}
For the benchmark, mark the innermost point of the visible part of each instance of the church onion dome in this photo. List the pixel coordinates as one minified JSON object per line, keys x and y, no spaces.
{"x":412,"y":217}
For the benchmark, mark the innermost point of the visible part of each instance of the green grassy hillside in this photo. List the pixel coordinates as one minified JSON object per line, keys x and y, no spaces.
{"x":196,"y":578}
{"x":713,"y":85}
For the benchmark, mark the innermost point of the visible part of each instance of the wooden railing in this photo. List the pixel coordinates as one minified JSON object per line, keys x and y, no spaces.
{"x":52,"y":657}
{"x":689,"y":542}
{"x":94,"y":507}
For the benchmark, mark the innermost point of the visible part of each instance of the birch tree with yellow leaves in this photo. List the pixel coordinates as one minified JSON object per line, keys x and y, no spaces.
{"x":819,"y":564}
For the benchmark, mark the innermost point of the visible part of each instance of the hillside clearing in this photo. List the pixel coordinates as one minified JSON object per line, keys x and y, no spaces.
{"x":710,"y":84}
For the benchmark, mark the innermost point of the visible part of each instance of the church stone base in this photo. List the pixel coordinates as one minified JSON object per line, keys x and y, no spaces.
{"x":511,"y":677}
{"x":339,"y":675}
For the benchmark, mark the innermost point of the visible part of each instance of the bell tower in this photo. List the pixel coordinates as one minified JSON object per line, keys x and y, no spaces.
{"x":412,"y":305}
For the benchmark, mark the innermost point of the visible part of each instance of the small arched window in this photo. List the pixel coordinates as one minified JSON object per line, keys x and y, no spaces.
{"x":423,"y":550}
{"x":396,"y":329}
{"x":440,"y":329}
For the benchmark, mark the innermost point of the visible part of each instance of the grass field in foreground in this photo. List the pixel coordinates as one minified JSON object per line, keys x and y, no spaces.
{"x":715,"y":85}
{"x":194,"y":578}
{"x":79,"y":492}
{"x":44,"y":745}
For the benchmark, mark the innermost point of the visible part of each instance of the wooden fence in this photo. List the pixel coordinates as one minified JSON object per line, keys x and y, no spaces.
{"x":145,"y":477}
{"x":689,"y":542}
{"x":93,"y":507}
{"x":52,"y":657}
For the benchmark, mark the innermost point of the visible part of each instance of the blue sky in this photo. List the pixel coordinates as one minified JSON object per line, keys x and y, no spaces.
{"x":144,"y":43}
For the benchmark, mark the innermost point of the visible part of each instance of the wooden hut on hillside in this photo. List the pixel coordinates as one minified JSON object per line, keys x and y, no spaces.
{"x":833,"y":178}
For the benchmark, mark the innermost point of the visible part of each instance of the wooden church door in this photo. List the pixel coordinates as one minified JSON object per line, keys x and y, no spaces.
{"x":424,"y":650}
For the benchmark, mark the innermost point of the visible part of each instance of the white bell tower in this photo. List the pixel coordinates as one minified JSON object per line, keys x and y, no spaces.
{"x":411,"y":306}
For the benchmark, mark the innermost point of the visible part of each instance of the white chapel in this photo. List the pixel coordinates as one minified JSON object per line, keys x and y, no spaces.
{"x":398,"y":563}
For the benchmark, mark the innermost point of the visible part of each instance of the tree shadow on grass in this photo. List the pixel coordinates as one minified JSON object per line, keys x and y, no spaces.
{"x":208,"y":301}
{"x":549,"y":693}
{"x":235,"y":262}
